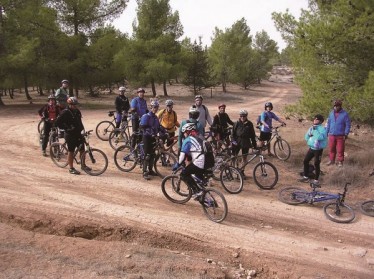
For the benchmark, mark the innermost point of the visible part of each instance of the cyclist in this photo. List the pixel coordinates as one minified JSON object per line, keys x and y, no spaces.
{"x":193,"y":158}
{"x":150,"y":126}
{"x":220,"y":124}
{"x":204,"y":116}
{"x":62,"y":94}
{"x":70,"y":120}
{"x":266,"y":119}
{"x":169,"y":120}
{"x":243,"y":134}
{"x":316,"y":138}
{"x":138,"y":107}
{"x":122,"y":106}
{"x":48,"y":114}
{"x":193,"y":115}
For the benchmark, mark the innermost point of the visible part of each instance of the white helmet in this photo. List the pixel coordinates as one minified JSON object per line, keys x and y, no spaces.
{"x":243,"y":112}
{"x":169,"y":102}
{"x":188,"y":127}
{"x":155,"y":103}
{"x":122,"y":88}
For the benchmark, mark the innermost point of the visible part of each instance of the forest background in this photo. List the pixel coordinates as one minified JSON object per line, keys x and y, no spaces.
{"x":330,"y":49}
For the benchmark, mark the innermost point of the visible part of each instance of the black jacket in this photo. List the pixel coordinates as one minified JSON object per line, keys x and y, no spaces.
{"x":71,"y":121}
{"x":244,"y":134}
{"x":122,"y":104}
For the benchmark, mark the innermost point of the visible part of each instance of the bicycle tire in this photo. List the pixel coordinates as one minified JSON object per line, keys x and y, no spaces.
{"x":175,"y":189}
{"x":94,"y":162}
{"x":219,"y":162}
{"x":214,"y":205}
{"x":174,"y":148}
{"x":293,"y":195}
{"x":339,"y":212}
{"x":367,"y":208}
{"x":164,"y":163}
{"x":282,"y":149}
{"x":59,"y":154}
{"x":124,"y":158}
{"x":117,"y":138}
{"x":265,"y":175}
{"x":103,"y":129}
{"x":232,"y":180}
{"x":41,"y":126}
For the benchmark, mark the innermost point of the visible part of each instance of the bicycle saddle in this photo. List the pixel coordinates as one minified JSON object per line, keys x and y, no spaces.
{"x":314,"y":186}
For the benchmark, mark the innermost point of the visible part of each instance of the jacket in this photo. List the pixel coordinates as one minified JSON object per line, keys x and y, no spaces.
{"x":168,"y":120}
{"x":200,"y":130}
{"x":49,"y":112}
{"x":244,"y":134}
{"x":151,"y":125}
{"x":139,"y":106}
{"x":316,"y":137}
{"x":122,"y":104}
{"x":71,"y":121}
{"x":220,"y":122}
{"x":339,"y":126}
{"x":267,"y":117}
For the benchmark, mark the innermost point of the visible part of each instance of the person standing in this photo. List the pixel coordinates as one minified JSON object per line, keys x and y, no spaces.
{"x":338,"y":127}
{"x":62,"y":94}
{"x":220,"y":124}
{"x":316,"y":138}
{"x":138,"y":107}
{"x":204,"y":116}
{"x":169,"y":120}
{"x":70,"y":120}
{"x":122,"y":106}
{"x":266,"y":119}
{"x":48,"y":114}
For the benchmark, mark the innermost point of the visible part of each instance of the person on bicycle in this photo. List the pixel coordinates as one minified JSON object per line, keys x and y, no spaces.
{"x":48,"y":113}
{"x":221,"y":123}
{"x":204,"y":116}
{"x":266,"y":120}
{"x":193,"y":115}
{"x":243,"y":135}
{"x":122,"y":106}
{"x":191,"y":154}
{"x":138,"y":107}
{"x":62,"y":94}
{"x":150,"y":126}
{"x":169,"y":120}
{"x":316,"y":138}
{"x":70,"y":120}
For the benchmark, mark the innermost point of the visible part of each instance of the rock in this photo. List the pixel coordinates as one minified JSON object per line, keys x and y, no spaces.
{"x":268,"y":227}
{"x":360,"y":252}
{"x":235,"y":255}
{"x":209,"y":260}
{"x":252,"y":272}
{"x":340,"y":241}
{"x":128,"y":256}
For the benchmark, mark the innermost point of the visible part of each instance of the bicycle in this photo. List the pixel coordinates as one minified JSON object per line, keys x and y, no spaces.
{"x":281,"y":147}
{"x":212,"y":201}
{"x":93,"y":161}
{"x":367,"y":208}
{"x":265,"y":174}
{"x":127,"y":158}
{"x":104,"y":128}
{"x":336,"y":211}
{"x":221,"y":146}
{"x":120,"y":136}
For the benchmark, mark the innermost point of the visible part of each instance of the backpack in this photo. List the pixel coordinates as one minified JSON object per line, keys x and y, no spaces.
{"x":258,"y":121}
{"x":207,"y":150}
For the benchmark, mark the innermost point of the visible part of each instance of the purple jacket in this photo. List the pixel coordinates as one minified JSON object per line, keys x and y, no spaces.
{"x":339,"y":126}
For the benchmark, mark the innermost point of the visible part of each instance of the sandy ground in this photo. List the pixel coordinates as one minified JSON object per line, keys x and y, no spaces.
{"x":117,"y":225}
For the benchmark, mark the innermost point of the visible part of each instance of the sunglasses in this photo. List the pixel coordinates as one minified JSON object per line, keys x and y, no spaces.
{"x":242,"y":116}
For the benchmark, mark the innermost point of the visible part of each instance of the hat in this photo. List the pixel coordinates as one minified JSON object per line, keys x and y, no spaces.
{"x":140,"y":90}
{"x":199,"y":97}
{"x":64,"y":81}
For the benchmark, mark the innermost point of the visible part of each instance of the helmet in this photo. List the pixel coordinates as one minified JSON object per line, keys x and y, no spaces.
{"x":140,"y":90}
{"x":169,"y":102}
{"x":243,"y":112}
{"x":199,"y":97}
{"x":65,"y":81}
{"x":269,"y":104}
{"x":122,"y":88}
{"x":51,"y":97}
{"x":319,"y":117}
{"x":188,"y":127}
{"x":222,"y":105}
{"x":338,"y":103}
{"x":154,"y":104}
{"x":194,"y":112}
{"x":72,"y":101}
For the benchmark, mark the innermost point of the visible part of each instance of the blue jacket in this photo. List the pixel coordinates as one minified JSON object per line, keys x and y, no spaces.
{"x":192,"y":148}
{"x":200,"y":129}
{"x":316,"y":137}
{"x":151,"y":125}
{"x":140,"y":106}
{"x":267,"y":117}
{"x":339,"y":126}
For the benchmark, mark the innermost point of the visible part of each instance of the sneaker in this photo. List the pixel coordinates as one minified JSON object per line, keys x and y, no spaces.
{"x":74,"y":171}
{"x":145,"y":176}
{"x":152,"y":173}
{"x":329,"y":163}
{"x":304,"y":179}
{"x":315,"y":182}
{"x":270,"y":154}
{"x":340,"y":164}
{"x":44,"y":153}
{"x":86,"y":168}
{"x":197,"y":195}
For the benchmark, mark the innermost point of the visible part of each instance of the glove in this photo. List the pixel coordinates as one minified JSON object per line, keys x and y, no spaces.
{"x":234,"y":142}
{"x":175,"y":166}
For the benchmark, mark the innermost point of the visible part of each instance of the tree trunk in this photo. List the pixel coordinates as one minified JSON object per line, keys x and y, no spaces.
{"x":1,"y":102}
{"x":153,"y":88}
{"x":76,"y":92}
{"x":40,"y":90}
{"x":28,"y":97}
{"x":165,"y":90}
{"x":11,"y":93}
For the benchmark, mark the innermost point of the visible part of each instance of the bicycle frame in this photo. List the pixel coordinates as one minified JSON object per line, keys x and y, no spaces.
{"x":257,"y":153}
{"x":319,"y":196}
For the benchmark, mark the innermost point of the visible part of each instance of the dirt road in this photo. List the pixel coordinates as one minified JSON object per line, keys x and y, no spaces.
{"x":117,"y":225}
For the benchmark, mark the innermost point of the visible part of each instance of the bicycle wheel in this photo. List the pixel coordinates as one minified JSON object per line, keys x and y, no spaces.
{"x":282,"y":149}
{"x":103,"y":129}
{"x":117,"y":138}
{"x":214,"y":205}
{"x":40,"y":126}
{"x":175,"y":189}
{"x":265,"y":175}
{"x":94,"y":162}
{"x":174,"y":148}
{"x":124,"y":158}
{"x":293,"y":195}
{"x":367,"y":208}
{"x":59,"y":154}
{"x":339,"y":212}
{"x":164,"y":163}
{"x":231,"y":180}
{"x":219,"y":162}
